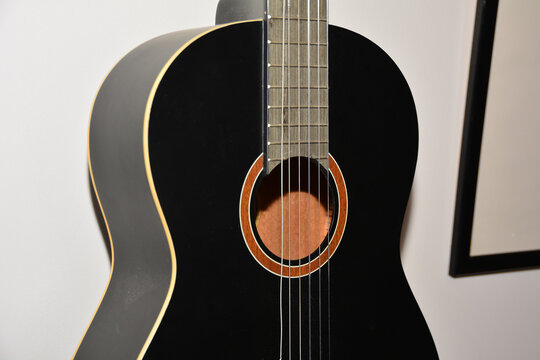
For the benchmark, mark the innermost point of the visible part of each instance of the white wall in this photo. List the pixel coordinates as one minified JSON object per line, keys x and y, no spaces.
{"x":53,"y":259}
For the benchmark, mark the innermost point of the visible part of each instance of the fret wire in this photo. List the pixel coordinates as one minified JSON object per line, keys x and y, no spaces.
{"x":275,"y":107}
{"x":295,"y":142}
{"x":296,"y":125}
{"x":272,"y":42}
{"x":296,"y":19}
{"x":297,"y":87}
{"x":299,"y":66}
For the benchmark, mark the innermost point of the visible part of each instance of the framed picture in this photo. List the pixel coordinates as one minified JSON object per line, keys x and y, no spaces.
{"x":497,"y":215}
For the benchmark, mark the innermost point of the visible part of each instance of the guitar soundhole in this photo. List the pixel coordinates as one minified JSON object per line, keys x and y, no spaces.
{"x":293,"y":219}
{"x":292,"y":209}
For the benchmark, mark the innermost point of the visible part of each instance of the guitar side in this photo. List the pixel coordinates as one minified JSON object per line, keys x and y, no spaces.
{"x":143,"y":267}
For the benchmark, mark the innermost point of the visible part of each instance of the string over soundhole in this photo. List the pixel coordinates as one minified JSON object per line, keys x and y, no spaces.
{"x":302,"y":213}
{"x":295,"y":234}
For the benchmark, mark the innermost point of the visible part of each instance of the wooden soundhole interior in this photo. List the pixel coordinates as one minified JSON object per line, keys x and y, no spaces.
{"x":292,"y":210}
{"x":293,"y":219}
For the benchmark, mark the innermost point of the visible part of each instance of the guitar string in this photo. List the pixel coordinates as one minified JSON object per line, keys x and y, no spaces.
{"x":328,"y":176}
{"x":281,"y":180}
{"x":309,"y":167}
{"x":289,"y":160}
{"x":319,"y":166}
{"x":299,"y":95}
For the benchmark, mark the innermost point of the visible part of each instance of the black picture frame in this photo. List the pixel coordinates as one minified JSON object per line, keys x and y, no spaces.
{"x":461,"y":262}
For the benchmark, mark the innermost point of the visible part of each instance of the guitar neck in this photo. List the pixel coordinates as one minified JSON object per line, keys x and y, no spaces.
{"x":297,"y":76}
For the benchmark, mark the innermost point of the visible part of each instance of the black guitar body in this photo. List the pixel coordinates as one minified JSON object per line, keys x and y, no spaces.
{"x":205,"y":131}
{"x":225,"y":305}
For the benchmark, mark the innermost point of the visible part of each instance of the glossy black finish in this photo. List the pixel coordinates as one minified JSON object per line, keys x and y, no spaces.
{"x":204,"y":135}
{"x":461,"y":262}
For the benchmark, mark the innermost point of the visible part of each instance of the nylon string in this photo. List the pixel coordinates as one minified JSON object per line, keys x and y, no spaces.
{"x":309,"y":168}
{"x":282,"y":159}
{"x":328,"y":176}
{"x":299,"y":96}
{"x":289,"y":162}
{"x":319,"y":163}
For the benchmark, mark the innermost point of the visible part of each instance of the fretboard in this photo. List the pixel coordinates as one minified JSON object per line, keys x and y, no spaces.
{"x":297,"y":76}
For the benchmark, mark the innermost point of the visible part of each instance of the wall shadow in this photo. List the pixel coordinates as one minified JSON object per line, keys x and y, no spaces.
{"x":405,"y":225}
{"x":99,"y":217}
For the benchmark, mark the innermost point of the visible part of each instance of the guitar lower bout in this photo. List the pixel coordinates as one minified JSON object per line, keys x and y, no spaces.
{"x":310,"y":202}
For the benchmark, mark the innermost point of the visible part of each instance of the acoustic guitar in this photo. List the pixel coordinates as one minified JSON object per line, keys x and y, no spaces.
{"x":253,"y":177}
